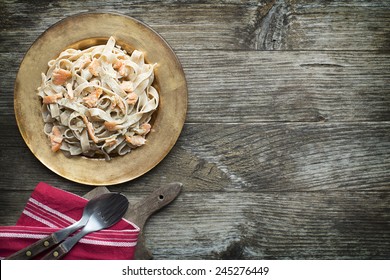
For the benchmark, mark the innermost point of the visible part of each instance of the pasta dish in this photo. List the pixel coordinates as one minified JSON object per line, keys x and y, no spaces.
{"x":98,"y":101}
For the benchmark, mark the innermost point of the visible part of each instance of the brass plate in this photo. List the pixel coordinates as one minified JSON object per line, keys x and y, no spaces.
{"x":84,"y":30}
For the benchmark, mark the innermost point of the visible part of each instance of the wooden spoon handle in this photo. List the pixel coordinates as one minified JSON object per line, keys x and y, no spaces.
{"x":141,"y":211}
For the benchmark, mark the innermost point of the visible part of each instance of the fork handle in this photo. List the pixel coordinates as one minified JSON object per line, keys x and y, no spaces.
{"x":61,"y":250}
{"x":57,"y":253}
{"x":34,"y":249}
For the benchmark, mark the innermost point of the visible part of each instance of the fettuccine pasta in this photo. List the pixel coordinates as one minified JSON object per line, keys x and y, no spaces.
{"x":98,"y":101}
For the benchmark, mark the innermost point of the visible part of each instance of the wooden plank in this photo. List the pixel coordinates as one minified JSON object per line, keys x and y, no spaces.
{"x":286,"y":225}
{"x":293,"y":225}
{"x":321,"y":25}
{"x":251,"y":86}
{"x":183,"y":25}
{"x":287,"y":86}
{"x":241,"y":157}
{"x":281,"y":157}
{"x":232,"y":25}
{"x":9,"y":64}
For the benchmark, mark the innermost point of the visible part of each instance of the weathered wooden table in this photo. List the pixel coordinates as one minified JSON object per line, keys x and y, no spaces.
{"x":285,"y":153}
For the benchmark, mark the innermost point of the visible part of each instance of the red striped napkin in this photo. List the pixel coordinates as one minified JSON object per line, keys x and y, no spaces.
{"x":49,"y":209}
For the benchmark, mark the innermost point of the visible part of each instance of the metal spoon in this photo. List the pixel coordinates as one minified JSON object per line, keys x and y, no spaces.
{"x":104,"y":216}
{"x":58,"y":236}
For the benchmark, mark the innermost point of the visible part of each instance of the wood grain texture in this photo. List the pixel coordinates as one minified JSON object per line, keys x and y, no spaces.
{"x":227,"y":86}
{"x":287,"y":86}
{"x":232,"y":25}
{"x":242,"y":157}
{"x":303,"y":225}
{"x":285,"y":153}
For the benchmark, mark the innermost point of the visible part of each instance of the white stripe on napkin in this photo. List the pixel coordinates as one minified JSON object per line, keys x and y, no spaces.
{"x":107,"y":243}
{"x":35,"y":217}
{"x":51,"y":210}
{"x":22,"y":235}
